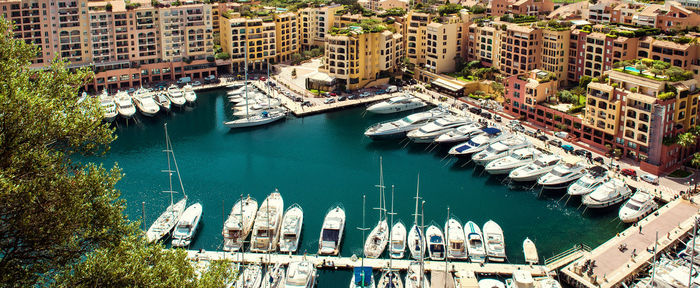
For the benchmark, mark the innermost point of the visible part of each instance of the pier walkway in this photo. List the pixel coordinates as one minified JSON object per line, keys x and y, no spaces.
{"x":614,"y":265}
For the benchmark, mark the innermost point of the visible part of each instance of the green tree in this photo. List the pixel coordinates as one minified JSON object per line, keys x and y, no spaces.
{"x":498,"y":87}
{"x":696,"y":160}
{"x":584,"y":80}
{"x":686,"y":140}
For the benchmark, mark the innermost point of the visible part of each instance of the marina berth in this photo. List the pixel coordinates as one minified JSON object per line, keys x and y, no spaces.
{"x":435,"y":242}
{"x":516,"y":159}
{"x":475,"y":242}
{"x":187,"y":226}
{"x":291,"y":229}
{"x":641,"y":204}
{"x":533,"y":171}
{"x":398,"y":128}
{"x":523,"y":279}
{"x":145,"y":103}
{"x":461,"y":133}
{"x":415,"y":277}
{"x":161,"y":98}
{"x":477,"y":143}
{"x":108,"y":106}
{"x":275,"y":277}
{"x":251,"y":277}
{"x":456,"y":247}
{"x":125,"y":105}
{"x":495,"y":242}
{"x":608,"y":194}
{"x":397,"y":104}
{"x":332,"y":232}
{"x":594,"y":177}
{"x":562,"y":175}
{"x":239,"y":223}
{"x":362,"y":277}
{"x":267,"y":224}
{"x":499,"y":149}
{"x":428,"y":132}
{"x":176,"y":97}
{"x":300,"y":275}
{"x":397,"y":247}
{"x":530,"y":252}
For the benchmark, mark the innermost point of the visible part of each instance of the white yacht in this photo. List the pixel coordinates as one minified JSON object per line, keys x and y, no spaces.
{"x":390,"y":279}
{"x":476,"y":144}
{"x":239,"y":223}
{"x":189,"y":94}
{"x":187,"y":226}
{"x":398,"y":128}
{"x":414,"y":277}
{"x":435,"y":242}
{"x":267,"y":224}
{"x":475,"y":242}
{"x":428,"y":132}
{"x":377,"y":240}
{"x":641,"y":204}
{"x":300,"y":275}
{"x":175,"y":96}
{"x":264,"y":117}
{"x":254,"y":109}
{"x":523,"y":279}
{"x":456,"y":248}
{"x":561,"y":176}
{"x":275,"y":277}
{"x":162,"y":100}
{"x":609,"y":193}
{"x":461,"y":133}
{"x":397,"y":104}
{"x":416,"y":243}
{"x":332,"y":232}
{"x":362,"y":277}
{"x":291,"y":229}
{"x":531,"y":172}
{"x":500,"y":149}
{"x":495,"y":242}
{"x":516,"y":159}
{"x":491,"y":283}
{"x":125,"y":106}
{"x":594,"y":177}
{"x":108,"y":106}
{"x":147,"y":106}
{"x":397,"y":247}
{"x":674,"y":273}
{"x":251,"y":277}
{"x":530,"y":252}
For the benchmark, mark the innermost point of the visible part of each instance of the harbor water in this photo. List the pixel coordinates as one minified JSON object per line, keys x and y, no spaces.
{"x":323,"y":160}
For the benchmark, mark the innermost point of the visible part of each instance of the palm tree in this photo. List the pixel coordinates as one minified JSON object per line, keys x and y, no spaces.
{"x":696,"y":160}
{"x":686,"y":140}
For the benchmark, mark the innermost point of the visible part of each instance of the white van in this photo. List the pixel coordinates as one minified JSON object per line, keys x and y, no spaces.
{"x":184,"y":80}
{"x":392,"y":89}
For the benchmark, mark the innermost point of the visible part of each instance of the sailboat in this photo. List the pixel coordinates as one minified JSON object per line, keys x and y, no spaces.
{"x":377,"y":240}
{"x":167,"y":220}
{"x":274,"y":277}
{"x":415,"y":278}
{"x":416,"y":243}
{"x":362,"y":276}
{"x":390,"y":278}
{"x":267,"y":224}
{"x":239,"y":223}
{"x":251,"y":277}
{"x":300,"y":275}
{"x":397,"y":245}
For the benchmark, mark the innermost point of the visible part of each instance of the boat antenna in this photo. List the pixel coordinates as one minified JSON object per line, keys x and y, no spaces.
{"x":422,"y":249}
{"x":245,"y":82}
{"x":363,"y":229}
{"x":447,"y":241}
{"x":415,"y":214}
{"x":168,"y":152}
{"x":242,"y":243}
{"x":392,"y":224}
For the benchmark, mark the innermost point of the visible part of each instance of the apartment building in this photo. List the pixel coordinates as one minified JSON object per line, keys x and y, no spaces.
{"x":416,"y":36}
{"x":355,"y":58}
{"x":521,"y":7}
{"x":520,"y":49}
{"x":256,"y":35}
{"x":444,"y":44}
{"x":185,"y":32}
{"x":684,"y":55}
{"x":525,"y":90}
{"x":669,"y":16}
{"x":315,"y":24}
{"x":555,"y":52}
{"x":593,"y":53}
{"x":484,"y":44}
{"x":286,"y":35}
{"x":600,"y":12}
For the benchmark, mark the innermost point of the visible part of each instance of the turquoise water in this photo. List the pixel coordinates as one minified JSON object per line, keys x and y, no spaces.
{"x":322,"y":160}
{"x":633,"y":69}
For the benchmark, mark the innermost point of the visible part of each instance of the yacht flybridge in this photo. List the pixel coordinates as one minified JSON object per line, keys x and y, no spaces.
{"x":267,"y":224}
{"x":561,"y":176}
{"x":531,"y":172}
{"x":461,"y":133}
{"x":478,"y":143}
{"x":500,"y":149}
{"x":609,"y":193}
{"x":594,"y":177}
{"x":641,"y":204}
{"x":397,"y":104}
{"x":427,"y":133}
{"x":239,"y":223}
{"x":516,"y":159}
{"x":398,"y":128}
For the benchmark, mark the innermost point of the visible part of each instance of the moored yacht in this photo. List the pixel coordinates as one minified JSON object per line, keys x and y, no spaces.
{"x":416,"y":243}
{"x":125,"y":105}
{"x":531,"y":172}
{"x":187,"y":226}
{"x":239,"y":223}
{"x":175,"y":96}
{"x":162,"y":100}
{"x":491,"y":283}
{"x":428,"y":132}
{"x":461,"y":133}
{"x":398,"y":128}
{"x":641,"y":204}
{"x":300,"y":275}
{"x":397,"y":247}
{"x":594,"y":177}
{"x":264,"y":117}
{"x":477,"y":143}
{"x":495,"y":242}
{"x":609,"y":193}
{"x":397,"y":104}
{"x":500,"y":149}
{"x":561,"y":176}
{"x":516,"y":159}
{"x":390,"y":279}
{"x":456,"y":248}
{"x":530,"y":252}
{"x":189,"y":94}
{"x":435,"y":242}
{"x":362,"y":277}
{"x":377,"y":240}
{"x":291,"y":229}
{"x":332,"y":232}
{"x":415,"y":277}
{"x":274,"y":277}
{"x":475,"y":242}
{"x":251,"y":277}
{"x":109,"y":107}
{"x":147,"y":106}
{"x":267,"y":224}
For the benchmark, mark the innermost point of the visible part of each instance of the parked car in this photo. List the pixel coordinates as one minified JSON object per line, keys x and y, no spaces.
{"x":298,"y":99}
{"x":486,"y":115}
{"x":353,"y":97}
{"x":583,"y":153}
{"x":263,"y":79}
{"x":380,"y":91}
{"x":475,"y":110}
{"x":364,"y":94}
{"x":554,"y":142}
{"x":567,"y":147}
{"x":392,"y":89}
{"x":307,"y":104}
{"x":629,"y":172}
{"x":561,"y":134}
{"x":599,"y":160}
{"x":496,"y":118}
{"x":342,"y":98}
{"x":196,"y":83}
{"x":329,"y":100}
{"x":543,"y":138}
{"x":650,"y":178}
{"x":518,"y":128}
{"x":209,"y":79}
{"x":333,"y":94}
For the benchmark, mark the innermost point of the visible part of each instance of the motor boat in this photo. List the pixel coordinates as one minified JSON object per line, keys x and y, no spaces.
{"x":332,"y":232}
{"x":176,"y":97}
{"x":377,"y":240}
{"x":607,"y":194}
{"x":516,"y":159}
{"x":265,"y":117}
{"x":561,"y":176}
{"x":239,"y":223}
{"x":491,"y":283}
{"x":531,"y":172}
{"x":125,"y":106}
{"x":300,"y":275}
{"x":428,"y":132}
{"x":594,"y":177}
{"x":400,"y":127}
{"x":499,"y":149}
{"x":390,"y":279}
{"x":256,"y":110}
{"x":251,"y":277}
{"x":416,"y":243}
{"x":475,"y":242}
{"x":435,"y":243}
{"x":108,"y":106}
{"x":397,"y":104}
{"x":495,"y":243}
{"x":522,"y":279}
{"x":397,"y":245}
{"x":640,"y":205}
{"x":187,"y":226}
{"x":190,"y":95}
{"x":147,"y":106}
{"x":267,"y":224}
{"x":362,"y":277}
{"x":414,"y":277}
{"x":456,"y":248}
{"x":162,"y":100}
{"x":461,"y":133}
{"x":673,"y":273}
{"x":530,"y":252}
{"x":275,"y":277}
{"x":291,"y":229}
{"x":476,"y":144}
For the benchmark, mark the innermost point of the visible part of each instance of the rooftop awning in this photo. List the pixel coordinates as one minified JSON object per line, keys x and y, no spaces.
{"x":447,"y":85}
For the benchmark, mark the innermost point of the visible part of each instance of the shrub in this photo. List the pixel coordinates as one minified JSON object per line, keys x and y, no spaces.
{"x":667,"y":95}
{"x":576,"y":109}
{"x":633,"y":89}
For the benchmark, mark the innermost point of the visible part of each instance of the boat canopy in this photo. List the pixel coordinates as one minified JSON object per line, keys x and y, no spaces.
{"x":363,"y":276}
{"x":598,"y":170}
{"x":330,"y":235}
{"x":491,"y":130}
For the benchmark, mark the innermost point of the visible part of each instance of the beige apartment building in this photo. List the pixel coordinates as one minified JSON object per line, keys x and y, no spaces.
{"x":316,"y":23}
{"x":286,"y":35}
{"x":256,"y":35}
{"x":555,"y":53}
{"x":444,"y":44}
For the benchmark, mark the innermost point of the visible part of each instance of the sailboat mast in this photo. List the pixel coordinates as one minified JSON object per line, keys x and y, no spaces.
{"x":268,"y":83}
{"x":243,"y":243}
{"x":447,"y":237}
{"x":381,"y":208}
{"x":177,"y":170}
{"x":363,"y":237}
{"x":415,"y":215}
{"x":170,"y":172}
{"x":422,"y":251}
{"x":245,"y":82}
{"x":391,"y":225}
